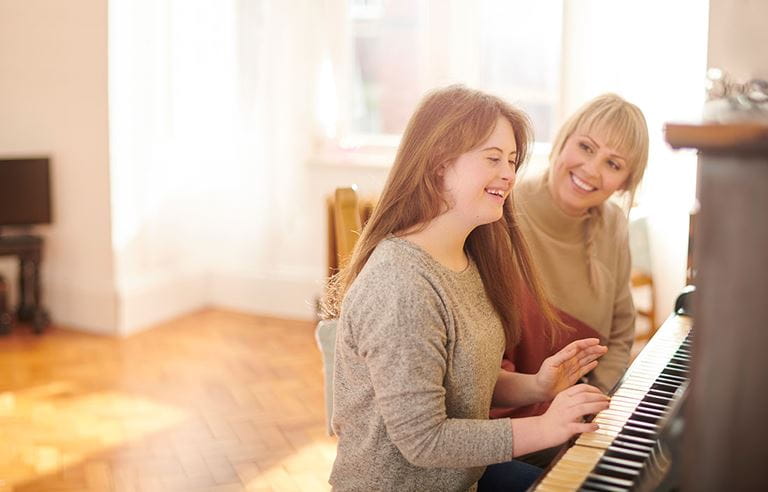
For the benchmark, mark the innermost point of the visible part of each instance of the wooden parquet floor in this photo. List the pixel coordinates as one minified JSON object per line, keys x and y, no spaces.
{"x":216,"y":401}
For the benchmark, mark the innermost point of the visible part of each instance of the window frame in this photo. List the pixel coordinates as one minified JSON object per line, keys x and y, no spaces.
{"x":348,"y":148}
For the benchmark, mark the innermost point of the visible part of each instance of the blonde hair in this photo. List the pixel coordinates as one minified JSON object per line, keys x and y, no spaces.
{"x":448,"y":123}
{"x":625,"y":128}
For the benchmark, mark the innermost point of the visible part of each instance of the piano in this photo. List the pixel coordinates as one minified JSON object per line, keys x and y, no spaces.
{"x":721,"y":437}
{"x":713,"y":427}
{"x":629,"y":451}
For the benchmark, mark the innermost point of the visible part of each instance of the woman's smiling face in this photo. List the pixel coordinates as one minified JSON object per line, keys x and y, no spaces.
{"x":587,"y":172}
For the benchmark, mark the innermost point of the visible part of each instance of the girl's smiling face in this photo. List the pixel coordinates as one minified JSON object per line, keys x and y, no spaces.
{"x":478,"y":183}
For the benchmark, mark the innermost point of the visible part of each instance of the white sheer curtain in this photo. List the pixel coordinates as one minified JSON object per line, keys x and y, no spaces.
{"x":212,"y":119}
{"x":279,"y":73}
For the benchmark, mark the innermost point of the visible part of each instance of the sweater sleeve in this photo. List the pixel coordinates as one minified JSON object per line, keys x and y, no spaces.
{"x":613,"y":364}
{"x":403,"y":338}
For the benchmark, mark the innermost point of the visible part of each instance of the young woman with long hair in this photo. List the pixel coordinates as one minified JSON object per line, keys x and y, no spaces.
{"x":424,"y":314}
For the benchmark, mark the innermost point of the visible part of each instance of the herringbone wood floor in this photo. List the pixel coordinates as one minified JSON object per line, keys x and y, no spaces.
{"x":213,"y":401}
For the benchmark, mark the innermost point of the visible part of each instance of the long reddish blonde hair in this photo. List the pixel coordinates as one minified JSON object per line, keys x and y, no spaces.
{"x":448,"y":123}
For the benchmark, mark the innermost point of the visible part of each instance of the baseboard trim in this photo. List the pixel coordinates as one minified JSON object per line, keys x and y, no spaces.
{"x":89,"y":308}
{"x":127,"y":311}
{"x":161,"y":300}
{"x":281,"y":295}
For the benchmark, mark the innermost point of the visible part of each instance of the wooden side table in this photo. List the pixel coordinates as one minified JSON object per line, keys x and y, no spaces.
{"x":29,"y":250}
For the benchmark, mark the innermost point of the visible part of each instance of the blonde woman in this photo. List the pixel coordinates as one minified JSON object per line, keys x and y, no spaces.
{"x":425,"y":313}
{"x":578,"y":240}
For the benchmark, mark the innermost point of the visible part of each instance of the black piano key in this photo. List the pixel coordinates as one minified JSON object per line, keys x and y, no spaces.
{"x":670,"y":383}
{"x":653,"y":401}
{"x":674,"y":366}
{"x":651,"y":410}
{"x":627,"y":453}
{"x":663,"y":386}
{"x":630,"y":451}
{"x":601,"y":487}
{"x":599,"y":477}
{"x":681,"y":359}
{"x":609,"y":470}
{"x":658,"y":400}
{"x":673,"y":377}
{"x":609,"y":458}
{"x":661,"y":393}
{"x":636,"y":439}
{"x":633,"y":430}
{"x":634,"y":421}
{"x":645,"y":417}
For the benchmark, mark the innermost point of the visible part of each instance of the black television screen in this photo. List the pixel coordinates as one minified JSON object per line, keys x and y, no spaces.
{"x":25,"y":191}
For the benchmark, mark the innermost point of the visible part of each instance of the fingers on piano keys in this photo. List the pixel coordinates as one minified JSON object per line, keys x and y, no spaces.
{"x":626,"y":445}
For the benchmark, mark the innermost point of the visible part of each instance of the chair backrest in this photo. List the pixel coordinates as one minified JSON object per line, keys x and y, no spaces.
{"x":347,"y":214}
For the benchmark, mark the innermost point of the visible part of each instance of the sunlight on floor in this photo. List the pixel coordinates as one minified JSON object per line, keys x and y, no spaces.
{"x":73,"y":424}
{"x":291,"y":473}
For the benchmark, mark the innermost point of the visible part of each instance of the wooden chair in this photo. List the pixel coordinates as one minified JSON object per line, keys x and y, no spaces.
{"x":344,"y":226}
{"x":641,"y":280}
{"x":347,"y":214}
{"x":346,"y":217}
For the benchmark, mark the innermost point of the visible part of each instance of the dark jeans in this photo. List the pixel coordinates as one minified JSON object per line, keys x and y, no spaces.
{"x":510,"y":476}
{"x":542,"y":458}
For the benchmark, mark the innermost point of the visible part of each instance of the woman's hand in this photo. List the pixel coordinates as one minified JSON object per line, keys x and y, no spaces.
{"x":566,"y":367}
{"x":564,"y":417}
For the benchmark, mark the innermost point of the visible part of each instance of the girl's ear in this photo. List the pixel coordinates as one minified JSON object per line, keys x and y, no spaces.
{"x":442,"y":168}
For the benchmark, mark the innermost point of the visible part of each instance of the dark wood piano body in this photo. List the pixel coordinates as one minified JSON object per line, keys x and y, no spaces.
{"x":720,"y":441}
{"x":725,"y":442}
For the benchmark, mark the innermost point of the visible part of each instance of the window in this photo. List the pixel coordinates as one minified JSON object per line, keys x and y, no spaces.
{"x":520,"y":60}
{"x":398,"y":49}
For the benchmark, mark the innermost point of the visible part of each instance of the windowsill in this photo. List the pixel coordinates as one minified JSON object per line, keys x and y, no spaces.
{"x":359,"y":157}
{"x":382,"y":157}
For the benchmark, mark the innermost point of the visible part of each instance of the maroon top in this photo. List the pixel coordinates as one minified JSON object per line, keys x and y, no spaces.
{"x":526,"y":357}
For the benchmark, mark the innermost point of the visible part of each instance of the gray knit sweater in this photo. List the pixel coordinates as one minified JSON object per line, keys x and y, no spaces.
{"x":418,"y":351}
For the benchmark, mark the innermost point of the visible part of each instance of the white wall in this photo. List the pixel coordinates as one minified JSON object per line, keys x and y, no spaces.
{"x":53,"y":101}
{"x":738,"y":37}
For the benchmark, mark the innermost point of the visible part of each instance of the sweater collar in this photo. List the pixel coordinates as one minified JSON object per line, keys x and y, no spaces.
{"x":536,"y":200}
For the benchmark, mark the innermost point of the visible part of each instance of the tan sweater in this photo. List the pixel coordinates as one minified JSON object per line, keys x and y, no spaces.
{"x":558,"y":245}
{"x":417,"y":357}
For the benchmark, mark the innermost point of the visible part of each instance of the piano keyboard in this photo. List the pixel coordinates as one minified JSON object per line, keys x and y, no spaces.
{"x":625,"y":447}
